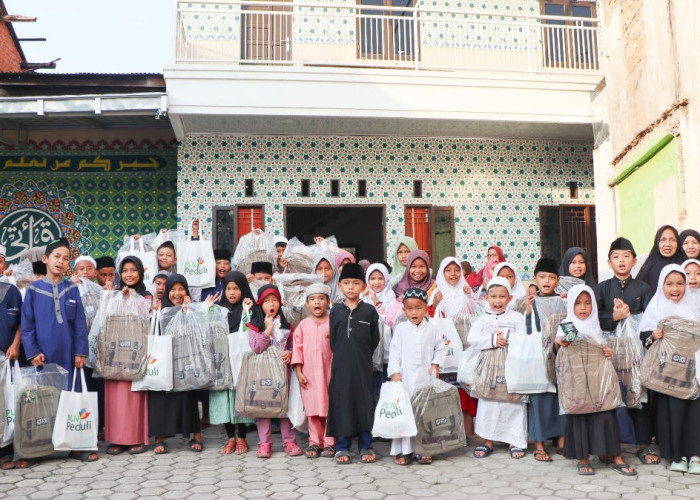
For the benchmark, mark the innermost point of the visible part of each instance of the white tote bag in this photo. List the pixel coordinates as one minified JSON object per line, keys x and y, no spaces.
{"x":76,"y":419}
{"x":10,"y":380}
{"x":295,"y":406}
{"x":238,"y":347}
{"x":452,"y":341}
{"x":195,"y":261}
{"x":147,"y":258}
{"x":467,"y":365}
{"x":393,"y":417}
{"x":159,"y":370}
{"x":525,"y":370}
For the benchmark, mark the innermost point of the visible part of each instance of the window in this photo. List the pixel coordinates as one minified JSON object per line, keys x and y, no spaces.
{"x":386,"y":34}
{"x":230,"y":223}
{"x":305,"y":189}
{"x":361,"y":188}
{"x":570,"y":44}
{"x":335,"y":188}
{"x":433,"y":230}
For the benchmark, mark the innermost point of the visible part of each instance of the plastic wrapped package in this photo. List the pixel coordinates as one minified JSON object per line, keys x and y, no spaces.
{"x":293,"y":291}
{"x":279,"y":337}
{"x":393,"y":415}
{"x":255,"y":246}
{"x":122,"y":340}
{"x":669,"y":364}
{"x":566,"y":282}
{"x":587,"y":381}
{"x":549,"y":331}
{"x":36,"y":400}
{"x":193,"y":357}
{"x":173,"y":235}
{"x":218,"y":331}
{"x":146,"y":244}
{"x":439,"y":419}
{"x":467,"y":367}
{"x":628,"y":353}
{"x":490,"y":378}
{"x":90,"y":296}
{"x":378,"y":354}
{"x":463,"y":320}
{"x":262,"y":388}
{"x":299,"y":257}
{"x":295,"y":407}
{"x":22,"y":273}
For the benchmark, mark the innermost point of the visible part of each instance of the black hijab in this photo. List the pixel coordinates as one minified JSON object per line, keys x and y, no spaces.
{"x":169,"y":283}
{"x":685,"y":234}
{"x":139,"y":287}
{"x":235,"y":311}
{"x":566,"y":262}
{"x":258,"y":320}
{"x":650,"y":271}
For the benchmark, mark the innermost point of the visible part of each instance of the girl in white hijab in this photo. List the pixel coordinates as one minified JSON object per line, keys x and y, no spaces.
{"x":450,"y":295}
{"x":661,"y":306}
{"x":516,"y":286}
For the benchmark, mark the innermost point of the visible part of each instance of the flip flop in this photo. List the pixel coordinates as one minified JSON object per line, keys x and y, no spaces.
{"x":620,"y":469}
{"x":584,"y":469}
{"x":542,"y":453}
{"x":162,"y":445}
{"x":196,"y":442}
{"x":486,"y":450}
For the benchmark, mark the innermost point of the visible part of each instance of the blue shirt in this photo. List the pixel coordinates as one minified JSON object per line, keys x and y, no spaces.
{"x":10,"y":310}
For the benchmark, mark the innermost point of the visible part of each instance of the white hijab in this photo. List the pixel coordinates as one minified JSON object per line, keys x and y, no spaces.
{"x":660,"y":307}
{"x":517,"y":290}
{"x":454,"y":300}
{"x":386,"y":296}
{"x":588,"y":328}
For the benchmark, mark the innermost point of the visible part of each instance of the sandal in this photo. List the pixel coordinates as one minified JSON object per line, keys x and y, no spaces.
{"x":584,"y":469}
{"x":116,"y":449}
{"x":368,"y":452}
{"x":228,"y":448}
{"x":292,"y":449}
{"x":26,"y":463}
{"x":196,"y":445}
{"x":402,"y":459}
{"x":313,"y":451}
{"x":137,"y":450}
{"x":648,"y":451}
{"x":343,"y":454}
{"x":6,"y":463}
{"x":424,"y":459}
{"x":241,"y":447}
{"x":485,"y":451}
{"x":516,"y":453}
{"x":84,"y":456}
{"x":542,"y":456}
{"x":620,"y":469}
{"x":681,"y":466}
{"x":264,"y":450}
{"x":328,"y":452}
{"x":163,"y":446}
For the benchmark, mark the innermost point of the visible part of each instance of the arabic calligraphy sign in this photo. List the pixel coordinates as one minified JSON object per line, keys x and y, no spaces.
{"x":71,"y":163}
{"x":27,"y":228}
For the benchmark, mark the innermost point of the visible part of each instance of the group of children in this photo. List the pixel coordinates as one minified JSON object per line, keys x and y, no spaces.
{"x":360,"y":311}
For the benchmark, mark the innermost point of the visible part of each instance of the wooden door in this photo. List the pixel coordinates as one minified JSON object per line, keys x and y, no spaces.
{"x":578,"y":230}
{"x":267,"y":32}
{"x":418,"y":226}
{"x":247,"y":219}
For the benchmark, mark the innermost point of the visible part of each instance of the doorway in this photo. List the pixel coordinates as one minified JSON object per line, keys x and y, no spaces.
{"x":267,"y":32}
{"x":566,"y":226}
{"x":360,"y":230}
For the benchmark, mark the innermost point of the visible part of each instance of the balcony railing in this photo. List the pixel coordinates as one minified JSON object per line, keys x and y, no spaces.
{"x":346,"y":34}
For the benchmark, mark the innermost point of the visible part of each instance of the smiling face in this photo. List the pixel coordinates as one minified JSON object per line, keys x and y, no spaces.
{"x":668,"y":244}
{"x":691,"y":247}
{"x":583,"y":306}
{"x":233,"y":293}
{"x":418,"y":270}
{"x":507,"y":273}
{"x":577,"y":268}
{"x":57,"y":263}
{"x":402,"y":254}
{"x":692,"y":271}
{"x":177,"y":294}
{"x":130,"y":275}
{"x":166,"y":258}
{"x":271,"y":305}
{"x":674,"y":287}
{"x":452,"y":273}
{"x":317,"y":304}
{"x":223,"y":267}
{"x":498,"y":297}
{"x":376,"y":281}
{"x":324,"y":269}
{"x":415,"y":310}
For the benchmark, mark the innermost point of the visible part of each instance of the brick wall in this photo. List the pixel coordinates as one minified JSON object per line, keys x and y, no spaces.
{"x":9,"y":55}
{"x":632,"y":30}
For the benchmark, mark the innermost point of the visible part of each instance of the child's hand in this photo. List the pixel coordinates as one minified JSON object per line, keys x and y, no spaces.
{"x":8,"y":272}
{"x":467,"y":289}
{"x":75,"y":279}
{"x":155,"y":305}
{"x":126,"y":292}
{"x":563,"y":295}
{"x":136,"y":236}
{"x":620,"y":310}
{"x":501,"y":340}
{"x":399,"y":299}
{"x":561,"y":342}
{"x":318,"y":239}
{"x":607,"y":351}
{"x":39,"y":359}
{"x":302,"y":379}
{"x":528,"y":304}
{"x":286,"y":357}
{"x":269,"y":324}
{"x":79,"y":361}
{"x":657,"y":334}
{"x":12,"y":351}
{"x":434,"y":371}
{"x":212,"y":299}
{"x":396,"y":377}
{"x":109,"y":286}
{"x":247,"y":304}
{"x":437,"y":297}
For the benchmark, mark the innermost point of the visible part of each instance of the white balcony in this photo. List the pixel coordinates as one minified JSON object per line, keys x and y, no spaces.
{"x":305,"y":66}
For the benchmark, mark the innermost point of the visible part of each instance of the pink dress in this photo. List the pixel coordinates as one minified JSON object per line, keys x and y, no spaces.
{"x":312,"y":350}
{"x":126,"y":414}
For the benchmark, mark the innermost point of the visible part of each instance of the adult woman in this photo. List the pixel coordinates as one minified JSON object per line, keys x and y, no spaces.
{"x":666,"y":250}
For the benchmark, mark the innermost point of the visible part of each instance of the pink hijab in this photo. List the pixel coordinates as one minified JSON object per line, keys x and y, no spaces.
{"x":341,"y":256}
{"x":407,"y":282}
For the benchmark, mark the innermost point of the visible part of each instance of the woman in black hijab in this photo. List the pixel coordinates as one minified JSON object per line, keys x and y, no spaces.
{"x":171,"y":413}
{"x":581,"y":267}
{"x":690,"y":242}
{"x":666,"y":250}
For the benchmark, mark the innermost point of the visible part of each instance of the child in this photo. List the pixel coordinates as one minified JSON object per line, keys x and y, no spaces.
{"x":261,"y":271}
{"x":85,"y":267}
{"x":343,"y":257}
{"x":171,"y":413}
{"x":126,"y":411}
{"x":417,"y":353}
{"x":238,"y":299}
{"x":325,"y":266}
{"x":507,"y":270}
{"x":10,"y":336}
{"x":312,"y":358}
{"x":617,"y":299}
{"x":452,"y":299}
{"x":354,"y":337}
{"x":222,"y":257}
{"x":54,"y":328}
{"x":678,"y":437}
{"x":692,"y":271}
{"x":499,"y":420}
{"x":591,"y":433}
{"x":544,"y":420}
{"x":165,"y":254}
{"x":280,"y":247}
{"x":417,"y":274}
{"x":159,"y":281}
{"x":105,"y":268}
{"x":574,"y":263}
{"x":260,"y":330}
{"x":405,"y":246}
